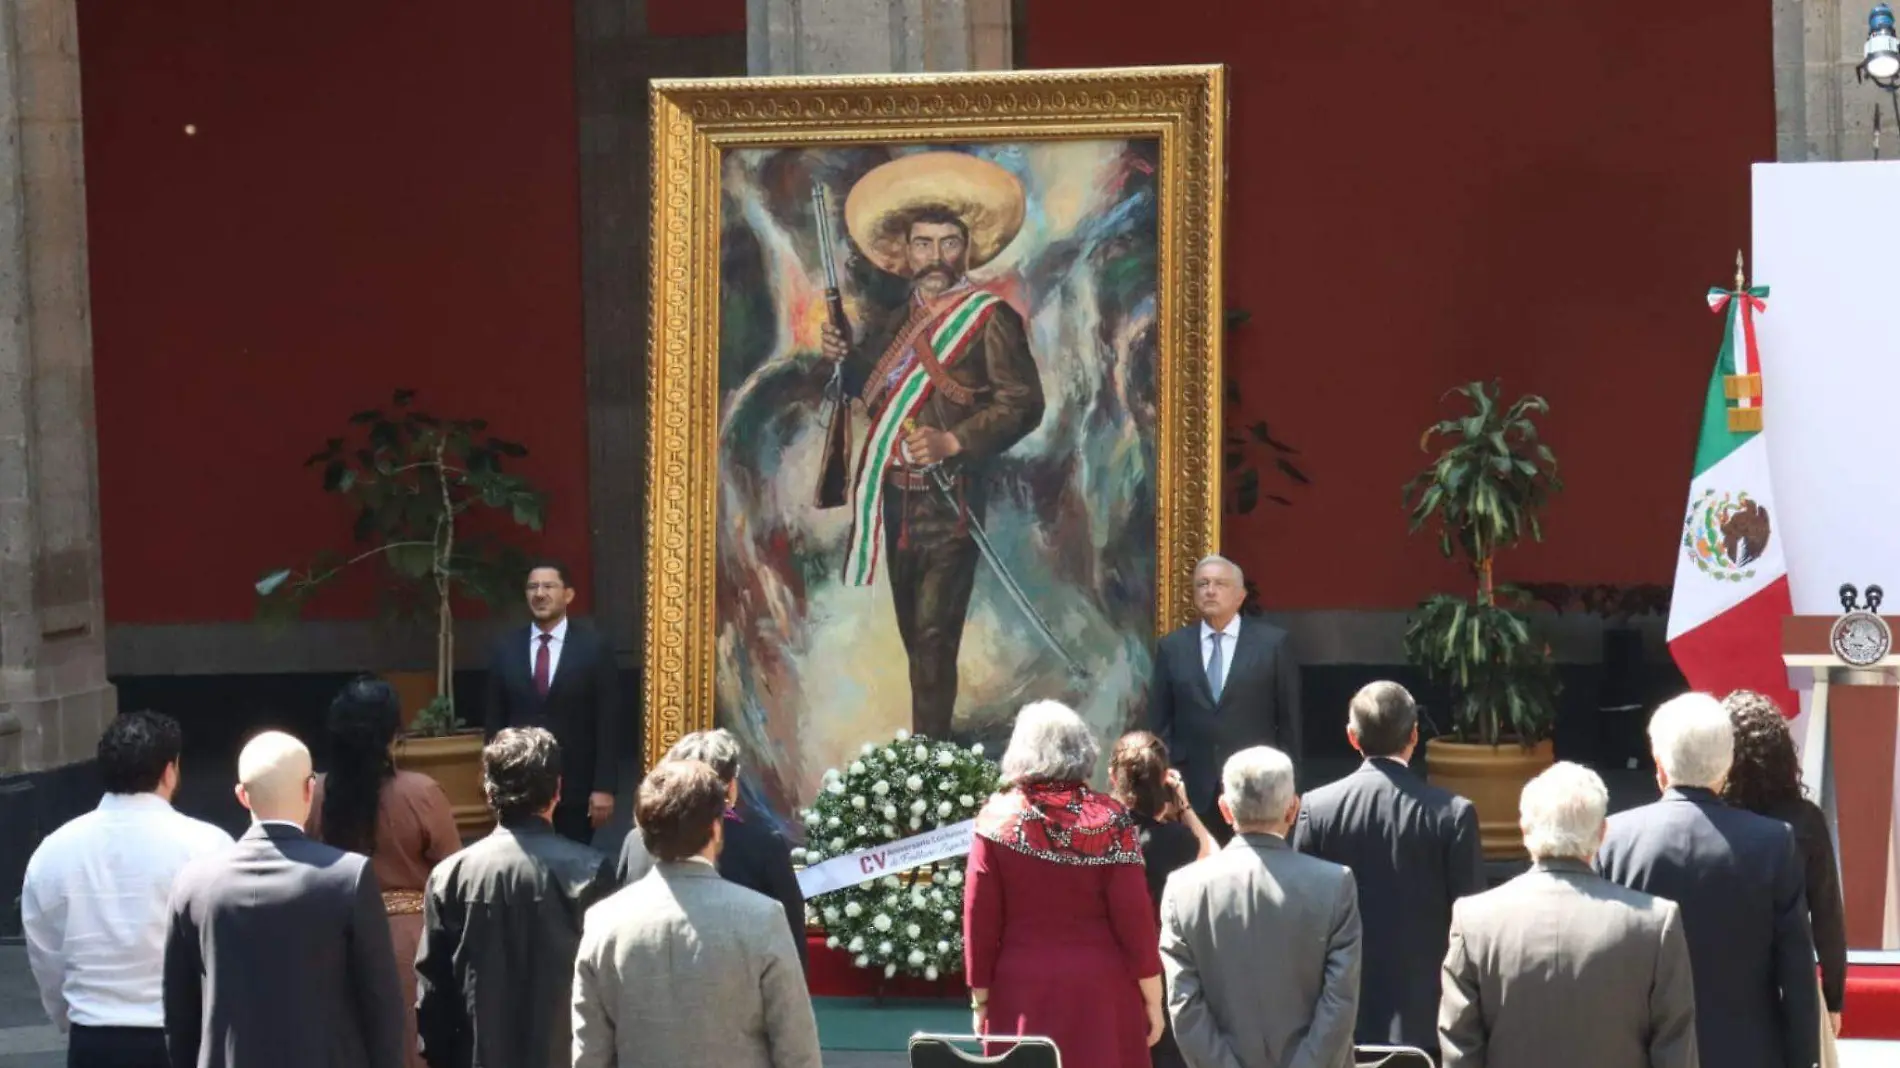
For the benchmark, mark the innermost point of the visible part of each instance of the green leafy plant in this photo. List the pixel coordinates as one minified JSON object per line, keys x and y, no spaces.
{"x":1483,"y":492}
{"x":412,"y":479}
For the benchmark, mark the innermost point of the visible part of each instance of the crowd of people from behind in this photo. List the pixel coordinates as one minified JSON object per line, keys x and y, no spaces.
{"x":1181,"y":917}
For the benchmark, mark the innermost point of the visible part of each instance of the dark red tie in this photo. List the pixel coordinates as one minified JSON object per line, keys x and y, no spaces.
{"x":541,"y":665}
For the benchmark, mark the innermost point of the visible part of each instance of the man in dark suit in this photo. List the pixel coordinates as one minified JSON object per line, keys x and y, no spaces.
{"x":1413,"y":850}
{"x":1738,"y":881}
{"x":1220,"y":686}
{"x":502,"y":921}
{"x":754,"y":855}
{"x":278,"y":950}
{"x":555,"y":674}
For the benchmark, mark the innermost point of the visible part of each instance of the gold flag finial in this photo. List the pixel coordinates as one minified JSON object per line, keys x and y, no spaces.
{"x":1741,"y":280}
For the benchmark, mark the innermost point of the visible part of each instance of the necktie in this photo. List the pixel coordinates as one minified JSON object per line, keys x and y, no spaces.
{"x":542,"y":664}
{"x":1216,"y":671}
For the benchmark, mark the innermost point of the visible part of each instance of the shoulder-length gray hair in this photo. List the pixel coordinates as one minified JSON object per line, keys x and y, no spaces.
{"x":1050,"y":744}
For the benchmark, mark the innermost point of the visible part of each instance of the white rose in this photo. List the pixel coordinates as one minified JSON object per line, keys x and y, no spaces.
{"x":914,"y":783}
{"x":835,"y":787}
{"x":916,"y":823}
{"x":890,"y":970}
{"x":812,"y":817}
{"x":967,"y":801}
{"x":956,"y":877}
{"x":977,"y":749}
{"x":946,"y":785}
{"x":890,"y":812}
{"x":890,"y":831}
{"x":883,"y":949}
{"x":890,"y":881}
{"x":880,"y":788}
{"x":890,"y":901}
{"x":853,"y":909}
{"x":943,"y":808}
{"x":832,"y":821}
{"x":889,"y":755}
{"x":917,"y":899}
{"x":945,"y":758}
{"x":913,"y":931}
{"x":798,"y":854}
{"x":930,"y":973}
{"x":862,"y":961}
{"x":868,"y":749}
{"x":857,"y":767}
{"x":832,"y":942}
{"x":948,"y":916}
{"x":863,"y":832}
{"x":831,"y":914}
{"x":916,"y":957}
{"x":920,"y":753}
{"x":942,"y":946}
{"x":857,"y":802}
{"x":903,"y":735}
{"x":831,"y":774}
{"x":881,"y":922}
{"x":837,"y":843}
{"x":917,"y":807}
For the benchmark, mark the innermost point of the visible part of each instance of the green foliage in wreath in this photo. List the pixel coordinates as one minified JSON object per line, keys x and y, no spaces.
{"x":909,"y":922}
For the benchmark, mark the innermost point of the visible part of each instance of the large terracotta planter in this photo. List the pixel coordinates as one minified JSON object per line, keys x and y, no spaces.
{"x":455,"y":762}
{"x":1492,"y":777}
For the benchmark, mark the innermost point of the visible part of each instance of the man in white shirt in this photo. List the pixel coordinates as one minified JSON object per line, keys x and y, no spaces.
{"x":94,"y":903}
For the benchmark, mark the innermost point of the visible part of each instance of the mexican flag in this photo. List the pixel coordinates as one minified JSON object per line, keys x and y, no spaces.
{"x":1731,"y":588}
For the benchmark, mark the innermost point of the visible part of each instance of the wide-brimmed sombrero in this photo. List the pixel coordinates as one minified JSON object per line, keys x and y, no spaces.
{"x":986,"y":197}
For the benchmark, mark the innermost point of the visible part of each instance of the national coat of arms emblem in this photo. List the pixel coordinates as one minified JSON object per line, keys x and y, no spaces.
{"x":1860,"y":637}
{"x":1725,"y":533}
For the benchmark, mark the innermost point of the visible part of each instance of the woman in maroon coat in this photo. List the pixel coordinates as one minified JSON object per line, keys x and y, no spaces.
{"x":1059,"y":934}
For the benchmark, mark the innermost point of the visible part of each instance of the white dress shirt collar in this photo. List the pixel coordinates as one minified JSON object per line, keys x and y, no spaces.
{"x":556,"y":636}
{"x":1231,"y":631}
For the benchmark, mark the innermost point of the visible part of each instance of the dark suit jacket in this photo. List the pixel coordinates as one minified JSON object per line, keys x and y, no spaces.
{"x":754,"y":856}
{"x":279,"y":955}
{"x":1259,"y":703}
{"x":1413,"y":850}
{"x":501,"y":925}
{"x":1738,"y":881}
{"x":582,"y":707}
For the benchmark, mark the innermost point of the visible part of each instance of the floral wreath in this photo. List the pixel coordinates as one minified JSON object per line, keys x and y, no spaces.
{"x":910,"y":921}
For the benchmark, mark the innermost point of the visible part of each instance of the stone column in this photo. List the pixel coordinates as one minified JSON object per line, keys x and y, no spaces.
{"x":1821,"y":112}
{"x":785,"y":37}
{"x":54,"y":698}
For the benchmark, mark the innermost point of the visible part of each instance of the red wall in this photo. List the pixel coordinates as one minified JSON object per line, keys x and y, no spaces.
{"x":1422,"y":195}
{"x":376,"y":196}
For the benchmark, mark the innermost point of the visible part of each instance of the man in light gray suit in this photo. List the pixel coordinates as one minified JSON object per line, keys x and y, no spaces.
{"x":683,"y":967}
{"x":1561,"y":968}
{"x":1261,"y":943}
{"x":1221,"y":684}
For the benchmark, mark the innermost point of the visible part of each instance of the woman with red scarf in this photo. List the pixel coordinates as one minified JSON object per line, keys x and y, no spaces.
{"x":1059,"y":934}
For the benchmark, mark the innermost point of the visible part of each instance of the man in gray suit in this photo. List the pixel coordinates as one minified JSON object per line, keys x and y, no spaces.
{"x":1561,"y":968}
{"x":278,"y":951}
{"x":1260,"y":943}
{"x":1221,"y":685}
{"x":684,"y":967}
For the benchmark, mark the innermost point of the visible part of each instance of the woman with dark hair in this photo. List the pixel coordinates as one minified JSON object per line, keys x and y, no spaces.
{"x":1172,"y":834}
{"x":1765,"y":778}
{"x":401,"y":820}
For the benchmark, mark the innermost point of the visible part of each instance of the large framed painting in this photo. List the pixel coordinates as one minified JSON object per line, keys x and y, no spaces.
{"x":934,"y":403}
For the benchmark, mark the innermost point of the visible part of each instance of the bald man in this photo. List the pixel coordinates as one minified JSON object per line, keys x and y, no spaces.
{"x":278,"y":952}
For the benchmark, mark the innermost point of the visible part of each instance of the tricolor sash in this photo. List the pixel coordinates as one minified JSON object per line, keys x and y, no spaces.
{"x":949,"y":338}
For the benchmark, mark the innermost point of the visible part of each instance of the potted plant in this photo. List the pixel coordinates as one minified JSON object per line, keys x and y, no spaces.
{"x":412,"y":480}
{"x":1483,"y":492}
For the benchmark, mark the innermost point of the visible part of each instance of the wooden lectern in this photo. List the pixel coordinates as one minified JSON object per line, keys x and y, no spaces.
{"x":1864,"y":701}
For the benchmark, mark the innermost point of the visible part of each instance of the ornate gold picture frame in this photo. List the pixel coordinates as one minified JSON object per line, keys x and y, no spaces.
{"x":1083,"y":187}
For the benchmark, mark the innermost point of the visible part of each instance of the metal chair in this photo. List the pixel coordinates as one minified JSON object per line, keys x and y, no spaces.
{"x":1391,"y":1057}
{"x":942,"y":1051}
